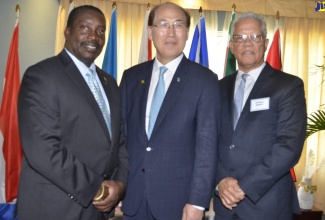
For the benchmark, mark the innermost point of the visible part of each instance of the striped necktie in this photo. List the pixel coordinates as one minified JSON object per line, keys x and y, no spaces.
{"x":94,"y":87}
{"x":238,"y":99}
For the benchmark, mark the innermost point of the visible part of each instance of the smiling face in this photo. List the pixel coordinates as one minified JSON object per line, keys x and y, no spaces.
{"x":85,"y":38}
{"x":169,"y":44}
{"x":249,"y":55}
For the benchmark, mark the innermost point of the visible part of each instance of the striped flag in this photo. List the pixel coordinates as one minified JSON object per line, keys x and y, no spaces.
{"x":230,"y":62}
{"x":145,"y":46}
{"x":199,"y":49}
{"x":11,"y":153}
{"x":110,"y":57}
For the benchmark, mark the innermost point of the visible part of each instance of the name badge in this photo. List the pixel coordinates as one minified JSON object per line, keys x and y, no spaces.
{"x":260,"y":104}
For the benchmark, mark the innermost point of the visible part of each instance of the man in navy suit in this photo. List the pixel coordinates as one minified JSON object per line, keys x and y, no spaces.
{"x":172,"y":171}
{"x":256,"y":153}
{"x":75,"y":162}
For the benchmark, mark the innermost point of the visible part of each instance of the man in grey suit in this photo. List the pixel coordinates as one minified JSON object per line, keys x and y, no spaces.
{"x":261,"y":138}
{"x":75,"y":162}
{"x":172,"y":160}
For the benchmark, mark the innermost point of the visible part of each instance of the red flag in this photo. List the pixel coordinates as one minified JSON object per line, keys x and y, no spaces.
{"x":274,"y":59}
{"x":11,"y":149}
{"x":274,"y":54}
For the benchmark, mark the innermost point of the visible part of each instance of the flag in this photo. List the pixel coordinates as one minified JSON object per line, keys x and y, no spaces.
{"x":274,"y":54}
{"x":110,"y":57}
{"x":230,"y":62}
{"x":71,"y":7}
{"x":11,"y":154}
{"x":145,"y":46}
{"x":199,"y":49}
{"x":274,"y":59}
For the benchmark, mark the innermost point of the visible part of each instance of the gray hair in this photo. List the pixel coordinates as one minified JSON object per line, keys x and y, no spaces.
{"x":250,"y":15}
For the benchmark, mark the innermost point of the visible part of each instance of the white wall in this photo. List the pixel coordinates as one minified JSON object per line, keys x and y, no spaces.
{"x":37,"y":27}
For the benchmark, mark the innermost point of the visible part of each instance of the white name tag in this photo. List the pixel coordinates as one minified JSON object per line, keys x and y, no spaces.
{"x":260,"y":104}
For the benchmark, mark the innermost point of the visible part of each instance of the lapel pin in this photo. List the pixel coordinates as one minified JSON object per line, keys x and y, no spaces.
{"x":105,"y":80}
{"x":142,"y":81}
{"x":178,"y":79}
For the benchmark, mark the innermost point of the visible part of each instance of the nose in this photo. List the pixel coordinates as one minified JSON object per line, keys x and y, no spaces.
{"x":248,"y":40}
{"x":171,"y":30}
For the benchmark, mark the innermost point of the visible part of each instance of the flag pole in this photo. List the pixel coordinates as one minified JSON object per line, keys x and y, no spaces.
{"x":233,"y":7}
{"x":17,"y":11}
{"x":200,"y":11}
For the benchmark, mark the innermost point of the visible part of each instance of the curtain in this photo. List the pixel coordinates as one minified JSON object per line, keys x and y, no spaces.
{"x":302,"y":46}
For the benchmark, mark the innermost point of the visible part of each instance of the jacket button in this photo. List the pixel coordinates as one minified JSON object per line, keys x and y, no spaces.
{"x":231,"y":169}
{"x":232,"y":146}
{"x":143,"y":170}
{"x":148,"y":149}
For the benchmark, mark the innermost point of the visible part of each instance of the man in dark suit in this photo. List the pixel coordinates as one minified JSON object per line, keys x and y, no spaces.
{"x":256,"y":153}
{"x":75,"y":162}
{"x":172,"y":160}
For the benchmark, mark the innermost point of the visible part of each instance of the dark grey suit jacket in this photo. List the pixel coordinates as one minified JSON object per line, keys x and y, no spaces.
{"x":178,"y":164}
{"x":264,"y":146}
{"x":66,"y":143}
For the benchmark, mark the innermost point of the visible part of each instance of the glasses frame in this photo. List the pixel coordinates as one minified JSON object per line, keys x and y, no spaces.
{"x":164,"y":26}
{"x":254,"y":38}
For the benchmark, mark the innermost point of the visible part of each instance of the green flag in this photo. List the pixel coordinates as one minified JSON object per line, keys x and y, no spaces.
{"x":230,"y":62}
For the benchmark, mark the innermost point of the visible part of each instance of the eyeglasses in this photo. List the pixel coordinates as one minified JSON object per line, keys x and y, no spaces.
{"x":163,"y":26}
{"x":253,"y":38}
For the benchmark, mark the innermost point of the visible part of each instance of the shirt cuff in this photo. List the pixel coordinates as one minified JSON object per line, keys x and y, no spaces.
{"x":198,"y":207}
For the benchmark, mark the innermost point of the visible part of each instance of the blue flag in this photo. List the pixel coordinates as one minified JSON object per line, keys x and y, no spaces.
{"x":110,"y":58}
{"x":199,"y":49}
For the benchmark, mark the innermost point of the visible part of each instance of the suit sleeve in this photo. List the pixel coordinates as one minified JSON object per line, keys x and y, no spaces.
{"x":205,"y":164}
{"x":286,"y":151}
{"x":40,"y":131}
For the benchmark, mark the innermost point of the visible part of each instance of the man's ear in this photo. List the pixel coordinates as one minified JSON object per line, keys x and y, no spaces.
{"x":231,"y":44}
{"x":67,"y":33}
{"x":149,"y":30}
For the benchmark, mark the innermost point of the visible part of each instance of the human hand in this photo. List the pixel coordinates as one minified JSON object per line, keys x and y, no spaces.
{"x":230,"y":192}
{"x":192,"y":213}
{"x":115,"y":190}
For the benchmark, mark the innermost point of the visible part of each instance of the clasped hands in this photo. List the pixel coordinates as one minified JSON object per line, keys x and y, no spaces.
{"x":230,"y":193}
{"x":108,"y":195}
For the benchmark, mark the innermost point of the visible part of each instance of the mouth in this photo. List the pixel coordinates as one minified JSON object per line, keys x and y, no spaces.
{"x":91,"y":47}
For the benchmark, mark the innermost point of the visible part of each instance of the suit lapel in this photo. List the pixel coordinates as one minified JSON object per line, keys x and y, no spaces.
{"x":230,"y":87}
{"x":144,"y":81}
{"x":111,"y":96}
{"x":258,"y":88}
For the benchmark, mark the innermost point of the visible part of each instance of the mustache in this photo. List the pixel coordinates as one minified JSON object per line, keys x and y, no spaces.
{"x":90,"y":43}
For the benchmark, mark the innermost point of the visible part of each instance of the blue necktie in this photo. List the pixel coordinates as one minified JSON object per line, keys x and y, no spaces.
{"x":238,"y":99}
{"x":94,"y":87}
{"x":157,"y":100}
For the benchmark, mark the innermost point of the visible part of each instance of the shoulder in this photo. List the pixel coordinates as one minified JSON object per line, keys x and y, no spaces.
{"x":196,"y":70}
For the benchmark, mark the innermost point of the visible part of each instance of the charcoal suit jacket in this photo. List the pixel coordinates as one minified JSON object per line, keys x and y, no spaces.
{"x":67,"y":148}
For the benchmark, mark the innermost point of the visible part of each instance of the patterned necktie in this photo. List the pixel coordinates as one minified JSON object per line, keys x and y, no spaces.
{"x":157,"y":100}
{"x":94,"y":87}
{"x":238,"y":99}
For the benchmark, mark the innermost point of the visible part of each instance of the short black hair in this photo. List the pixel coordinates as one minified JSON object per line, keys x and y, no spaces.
{"x":76,"y":11}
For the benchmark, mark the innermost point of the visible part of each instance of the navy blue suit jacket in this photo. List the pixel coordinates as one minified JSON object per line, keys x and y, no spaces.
{"x":264,"y":146}
{"x":178,"y":164}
